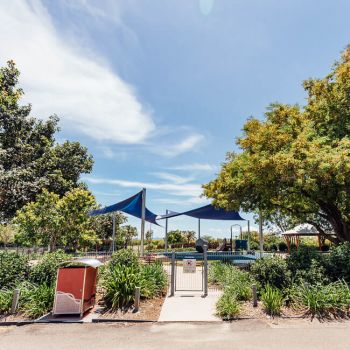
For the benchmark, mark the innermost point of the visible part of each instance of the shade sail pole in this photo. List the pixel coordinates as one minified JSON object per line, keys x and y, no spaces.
{"x":248,"y":245}
{"x":199,"y":228}
{"x":113,"y":234}
{"x":143,"y":216}
{"x":166,"y":232}
{"x":261,"y":236}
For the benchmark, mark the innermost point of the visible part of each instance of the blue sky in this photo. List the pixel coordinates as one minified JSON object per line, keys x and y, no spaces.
{"x":159,"y":90}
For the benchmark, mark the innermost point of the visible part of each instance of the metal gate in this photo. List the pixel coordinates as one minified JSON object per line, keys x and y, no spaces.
{"x":189,"y":272}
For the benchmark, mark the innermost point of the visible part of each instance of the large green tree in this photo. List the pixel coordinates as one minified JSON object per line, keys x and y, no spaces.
{"x":58,"y":221}
{"x":103,"y":225}
{"x":296,"y":162}
{"x":30,"y":159}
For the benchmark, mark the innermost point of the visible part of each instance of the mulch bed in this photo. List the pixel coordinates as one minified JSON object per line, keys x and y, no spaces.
{"x":149,"y":311}
{"x":249,"y":311}
{"x":14,"y":318}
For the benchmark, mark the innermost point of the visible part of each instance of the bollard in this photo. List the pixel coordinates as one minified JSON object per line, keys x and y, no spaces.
{"x":205,"y":261}
{"x":137,"y":298}
{"x":15,"y":300}
{"x":255,"y":296}
{"x":172,"y":286}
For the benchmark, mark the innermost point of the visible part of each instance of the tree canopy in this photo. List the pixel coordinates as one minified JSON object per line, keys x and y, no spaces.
{"x":30,"y":158}
{"x":296,"y":162}
{"x":58,"y":221}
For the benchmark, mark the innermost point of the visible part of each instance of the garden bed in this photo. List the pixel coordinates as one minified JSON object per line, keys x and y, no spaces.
{"x":14,"y":318}
{"x":258,"y":312}
{"x":149,"y":311}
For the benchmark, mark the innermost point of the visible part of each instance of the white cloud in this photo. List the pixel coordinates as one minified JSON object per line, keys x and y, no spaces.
{"x":181,"y":202}
{"x":194,"y":167}
{"x":175,"y":189}
{"x":187,"y":144}
{"x":61,"y":79}
{"x":109,"y":153}
{"x":172,"y":177}
{"x":111,"y":9}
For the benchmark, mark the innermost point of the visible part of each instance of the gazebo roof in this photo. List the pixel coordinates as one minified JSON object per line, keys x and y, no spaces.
{"x":302,"y":230}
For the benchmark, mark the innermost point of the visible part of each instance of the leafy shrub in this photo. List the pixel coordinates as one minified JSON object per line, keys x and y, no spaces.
{"x":45,"y":271}
{"x":227,"y":306}
{"x":217,"y":272}
{"x":302,"y":258}
{"x":5,"y":300}
{"x":254,"y":245}
{"x":271,"y":271}
{"x":36,"y":300}
{"x":272,"y":300}
{"x":337,"y":263}
{"x":282,"y":247}
{"x":13,"y":269}
{"x":322,"y":300}
{"x":230,"y":277}
{"x":119,"y":284}
{"x":316,"y":274}
{"x":270,"y":247}
{"x":153,"y":280}
{"x":124,"y":257}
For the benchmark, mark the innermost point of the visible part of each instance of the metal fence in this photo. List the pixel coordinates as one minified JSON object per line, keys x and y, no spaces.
{"x":34,"y":252}
{"x":196,"y":280}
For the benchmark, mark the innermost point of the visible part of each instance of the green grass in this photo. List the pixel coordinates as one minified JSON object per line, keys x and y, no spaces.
{"x":5,"y":300}
{"x":229,"y":277}
{"x":322,"y":300}
{"x":272,"y":300}
{"x":228,"y":306}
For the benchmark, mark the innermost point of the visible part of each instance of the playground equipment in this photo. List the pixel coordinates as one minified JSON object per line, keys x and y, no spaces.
{"x":200,"y":242}
{"x":224,"y":246}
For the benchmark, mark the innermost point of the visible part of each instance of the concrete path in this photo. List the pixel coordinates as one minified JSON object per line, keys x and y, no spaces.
{"x":188,"y":303}
{"x":190,"y":306}
{"x":240,"y":335}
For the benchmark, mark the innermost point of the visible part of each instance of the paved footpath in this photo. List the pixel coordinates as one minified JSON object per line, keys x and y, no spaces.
{"x":239,"y":335}
{"x":189,"y":304}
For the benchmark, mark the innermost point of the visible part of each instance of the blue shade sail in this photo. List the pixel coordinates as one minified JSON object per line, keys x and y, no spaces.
{"x":132,"y":206}
{"x":208,"y":212}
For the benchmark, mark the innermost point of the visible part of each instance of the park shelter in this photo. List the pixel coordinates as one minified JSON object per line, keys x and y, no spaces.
{"x":135,"y":206}
{"x":293,"y":235}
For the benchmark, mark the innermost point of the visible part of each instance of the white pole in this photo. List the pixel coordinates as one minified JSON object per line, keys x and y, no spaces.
{"x":248,"y":245}
{"x":143,"y":216}
{"x":261,"y":236}
{"x":113,"y":234}
{"x":199,"y":228}
{"x":166,"y":232}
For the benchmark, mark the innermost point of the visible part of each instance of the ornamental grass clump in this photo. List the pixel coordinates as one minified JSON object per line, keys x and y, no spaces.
{"x":322,"y":300}
{"x":36,"y":300}
{"x":124,"y":273}
{"x":228,"y":306}
{"x":5,"y":300}
{"x":119,"y":285}
{"x":230,"y":277}
{"x":272,"y":299}
{"x":153,"y":280}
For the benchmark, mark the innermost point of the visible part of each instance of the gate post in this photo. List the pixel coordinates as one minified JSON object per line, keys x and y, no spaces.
{"x":172,"y":286}
{"x":205,"y":261}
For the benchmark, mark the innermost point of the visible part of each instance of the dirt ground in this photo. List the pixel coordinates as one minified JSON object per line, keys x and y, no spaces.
{"x":149,"y":310}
